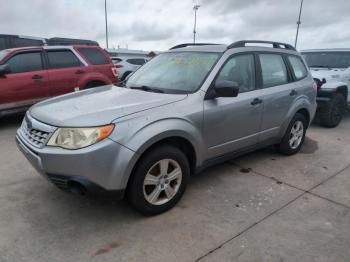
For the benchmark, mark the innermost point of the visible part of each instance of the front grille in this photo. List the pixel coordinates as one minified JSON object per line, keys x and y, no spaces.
{"x":33,"y":134}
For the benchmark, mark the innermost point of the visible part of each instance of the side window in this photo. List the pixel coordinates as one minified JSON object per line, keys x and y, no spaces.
{"x":136,"y":61}
{"x":95,"y":56}
{"x":240,"y":69}
{"x":273,"y":68}
{"x":298,"y":67}
{"x":62,"y":59}
{"x":25,"y":62}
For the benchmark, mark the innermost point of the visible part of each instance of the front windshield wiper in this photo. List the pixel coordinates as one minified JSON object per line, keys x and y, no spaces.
{"x":147,"y":89}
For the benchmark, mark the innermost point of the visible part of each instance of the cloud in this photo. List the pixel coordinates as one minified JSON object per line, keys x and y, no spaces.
{"x":159,"y":24}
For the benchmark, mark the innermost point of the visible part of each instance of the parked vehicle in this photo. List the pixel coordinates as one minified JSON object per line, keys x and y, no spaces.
{"x":186,"y":109}
{"x":31,"y":74}
{"x":331,"y":70}
{"x":126,"y":66}
{"x":14,"y":41}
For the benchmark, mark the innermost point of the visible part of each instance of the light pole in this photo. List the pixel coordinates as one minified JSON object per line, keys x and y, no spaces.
{"x":298,"y":24}
{"x":106,"y":24}
{"x":195,"y":8}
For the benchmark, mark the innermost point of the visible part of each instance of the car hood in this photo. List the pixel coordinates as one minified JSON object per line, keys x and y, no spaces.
{"x":328,"y":74}
{"x":98,"y":106}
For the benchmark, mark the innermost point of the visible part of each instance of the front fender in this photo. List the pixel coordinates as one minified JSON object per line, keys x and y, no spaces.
{"x":153,"y":132}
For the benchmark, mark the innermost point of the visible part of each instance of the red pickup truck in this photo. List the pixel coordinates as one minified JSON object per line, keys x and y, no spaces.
{"x":31,"y":74}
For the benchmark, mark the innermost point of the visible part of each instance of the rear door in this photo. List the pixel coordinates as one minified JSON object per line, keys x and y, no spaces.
{"x":64,"y":69}
{"x":26,"y":84}
{"x":278,"y":91}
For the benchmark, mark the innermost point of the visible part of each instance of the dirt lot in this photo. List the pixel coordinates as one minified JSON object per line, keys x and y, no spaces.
{"x":260,"y":207}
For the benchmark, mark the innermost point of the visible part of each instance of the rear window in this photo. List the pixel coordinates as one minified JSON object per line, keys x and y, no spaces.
{"x":136,"y":61}
{"x":95,"y":56}
{"x":25,"y":62}
{"x":62,"y":59}
{"x":274,"y":71}
{"x":298,"y":67}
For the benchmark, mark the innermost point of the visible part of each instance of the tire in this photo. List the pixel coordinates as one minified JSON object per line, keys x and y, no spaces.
{"x":287,"y":147}
{"x":332,"y":114}
{"x":160,"y":193}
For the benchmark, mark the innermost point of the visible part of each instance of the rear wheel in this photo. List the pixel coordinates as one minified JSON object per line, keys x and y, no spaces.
{"x":159,"y":180}
{"x":294,"y":137}
{"x":332,"y":114}
{"x":94,"y":84}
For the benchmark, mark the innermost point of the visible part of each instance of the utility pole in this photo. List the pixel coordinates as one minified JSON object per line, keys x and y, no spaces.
{"x":195,"y":8}
{"x":298,"y":24}
{"x":106,"y":24}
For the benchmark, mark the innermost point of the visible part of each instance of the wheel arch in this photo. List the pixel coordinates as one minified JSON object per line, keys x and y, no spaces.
{"x":178,"y":141}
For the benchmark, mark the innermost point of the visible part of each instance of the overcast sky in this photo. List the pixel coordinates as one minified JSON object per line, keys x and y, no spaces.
{"x":159,"y":24}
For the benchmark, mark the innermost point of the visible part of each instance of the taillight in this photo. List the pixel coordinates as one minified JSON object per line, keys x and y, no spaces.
{"x":118,"y":66}
{"x":114,"y":71}
{"x":314,"y":87}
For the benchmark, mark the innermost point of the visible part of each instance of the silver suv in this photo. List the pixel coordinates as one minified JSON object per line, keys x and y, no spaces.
{"x":186,"y":109}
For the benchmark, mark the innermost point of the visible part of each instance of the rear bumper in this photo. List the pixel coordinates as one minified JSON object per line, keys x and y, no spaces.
{"x":99,"y":169}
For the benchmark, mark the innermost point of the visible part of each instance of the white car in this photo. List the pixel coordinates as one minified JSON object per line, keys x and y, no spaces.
{"x":331,"y":71}
{"x":126,"y":66}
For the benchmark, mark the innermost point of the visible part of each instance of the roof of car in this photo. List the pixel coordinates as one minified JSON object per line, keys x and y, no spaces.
{"x":248,"y":45}
{"x":326,"y":50}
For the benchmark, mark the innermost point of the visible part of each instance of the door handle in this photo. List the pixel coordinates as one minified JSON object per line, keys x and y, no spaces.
{"x":37,"y":77}
{"x":256,"y":101}
{"x":79,"y":72}
{"x":293,"y":92}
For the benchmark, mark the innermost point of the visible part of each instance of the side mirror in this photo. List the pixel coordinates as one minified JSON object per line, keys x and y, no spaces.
{"x":4,"y":69}
{"x":223,"y":88}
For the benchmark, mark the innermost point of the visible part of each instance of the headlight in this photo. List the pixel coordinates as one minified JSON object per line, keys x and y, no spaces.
{"x":75,"y":138}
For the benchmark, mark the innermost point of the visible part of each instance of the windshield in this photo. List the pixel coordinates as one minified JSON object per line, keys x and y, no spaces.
{"x":3,"y":53}
{"x":178,"y":72}
{"x":328,"y":59}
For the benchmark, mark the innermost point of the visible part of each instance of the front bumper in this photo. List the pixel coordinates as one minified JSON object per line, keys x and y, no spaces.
{"x":101,"y":167}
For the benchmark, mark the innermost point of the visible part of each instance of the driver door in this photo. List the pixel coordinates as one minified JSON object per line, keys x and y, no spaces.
{"x":233,"y":123}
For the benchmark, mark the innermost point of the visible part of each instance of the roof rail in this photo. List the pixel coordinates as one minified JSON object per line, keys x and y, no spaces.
{"x":190,"y":44}
{"x":274,"y":44}
{"x":70,"y":41}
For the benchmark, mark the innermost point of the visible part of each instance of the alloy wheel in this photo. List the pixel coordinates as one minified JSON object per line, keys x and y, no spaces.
{"x":296,"y":134}
{"x":162,"y":181}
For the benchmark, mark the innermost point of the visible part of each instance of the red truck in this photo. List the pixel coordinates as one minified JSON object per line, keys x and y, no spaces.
{"x":31,"y":74}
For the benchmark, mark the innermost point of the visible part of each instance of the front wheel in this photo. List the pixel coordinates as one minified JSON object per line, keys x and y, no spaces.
{"x":332,"y":114}
{"x":159,"y":180}
{"x":294,"y":137}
